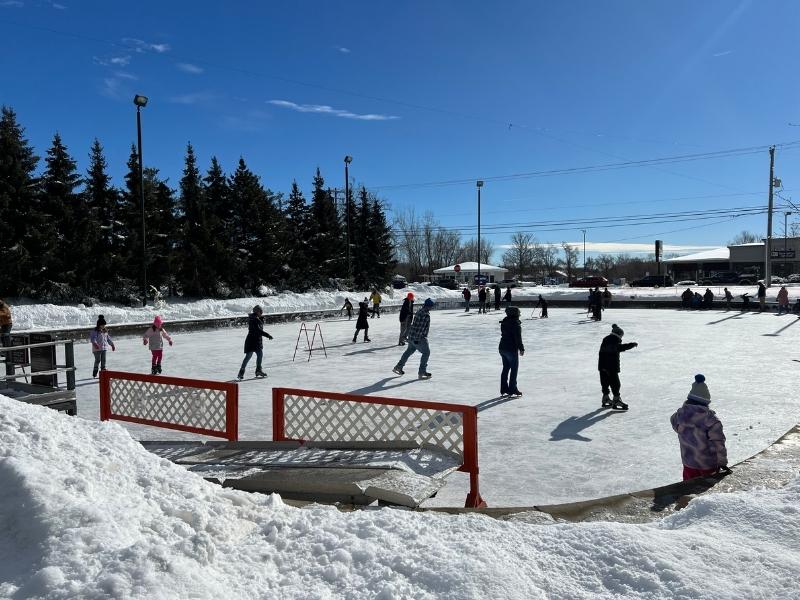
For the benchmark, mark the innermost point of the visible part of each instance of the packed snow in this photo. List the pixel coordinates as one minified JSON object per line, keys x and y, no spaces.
{"x":88,"y":513}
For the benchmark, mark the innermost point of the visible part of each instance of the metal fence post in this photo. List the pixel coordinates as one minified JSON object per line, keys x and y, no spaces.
{"x":69,"y":357}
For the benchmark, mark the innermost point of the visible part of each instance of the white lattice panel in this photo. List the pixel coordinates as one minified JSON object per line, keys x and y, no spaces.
{"x":202,"y":408}
{"x":323,"y":420}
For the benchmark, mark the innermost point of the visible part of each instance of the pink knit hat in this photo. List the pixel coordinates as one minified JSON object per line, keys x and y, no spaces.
{"x":158,"y":321}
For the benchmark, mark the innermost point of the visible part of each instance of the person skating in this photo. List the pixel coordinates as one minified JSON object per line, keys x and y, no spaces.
{"x":796,"y":307}
{"x":762,"y":297}
{"x":418,"y":340}
{"x":783,"y":300}
{"x":542,"y":303}
{"x":5,"y":323}
{"x":155,"y":336}
{"x":608,"y":365}
{"x":511,"y":348}
{"x":497,"y":295}
{"x":348,"y":307}
{"x":728,"y":299}
{"x":254,"y":342}
{"x":606,"y":298}
{"x":708,"y":299}
{"x":406,"y":317}
{"x":700,"y":434}
{"x":482,"y":299}
{"x":597,"y":305}
{"x":376,"y":304}
{"x":686,"y":298}
{"x":697,"y":301}
{"x":101,"y":342}
{"x":361,"y":321}
{"x":507,"y":295}
{"x":467,"y":295}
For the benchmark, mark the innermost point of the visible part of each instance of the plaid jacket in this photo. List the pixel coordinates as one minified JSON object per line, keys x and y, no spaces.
{"x":420,"y":326}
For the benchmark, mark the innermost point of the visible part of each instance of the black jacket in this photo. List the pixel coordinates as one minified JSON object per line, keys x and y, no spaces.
{"x":361,"y":322}
{"x":497,"y":294}
{"x":510,"y":335}
{"x":255,"y":333}
{"x":482,"y":295}
{"x":407,"y":310}
{"x":507,"y":295}
{"x":608,"y":360}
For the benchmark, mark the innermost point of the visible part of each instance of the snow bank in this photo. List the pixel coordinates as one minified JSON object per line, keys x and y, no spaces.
{"x":86,"y":512}
{"x":28,"y":316}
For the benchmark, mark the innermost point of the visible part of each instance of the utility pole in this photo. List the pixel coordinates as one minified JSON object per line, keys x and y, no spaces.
{"x":785,"y":219}
{"x":768,"y":241}
{"x":479,"y":185}
{"x":584,"y":253}
{"x":347,"y":160}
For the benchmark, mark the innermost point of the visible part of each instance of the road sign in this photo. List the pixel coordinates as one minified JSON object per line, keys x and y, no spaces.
{"x":783,"y":253}
{"x":481,"y":279}
{"x":457,"y":268}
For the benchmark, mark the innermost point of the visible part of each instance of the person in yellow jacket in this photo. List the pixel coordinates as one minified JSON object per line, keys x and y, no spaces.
{"x":375,"y":298}
{"x":5,"y":323}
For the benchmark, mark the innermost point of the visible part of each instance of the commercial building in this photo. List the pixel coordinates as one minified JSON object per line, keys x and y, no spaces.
{"x":742,"y":258}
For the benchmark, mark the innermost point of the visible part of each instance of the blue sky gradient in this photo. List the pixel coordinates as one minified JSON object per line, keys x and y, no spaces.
{"x":422,"y":92}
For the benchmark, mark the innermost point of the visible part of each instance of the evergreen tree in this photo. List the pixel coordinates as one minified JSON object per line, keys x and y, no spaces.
{"x":128,"y":219}
{"x":162,"y":232}
{"x":362,"y":243}
{"x":17,"y":197}
{"x":101,"y":200}
{"x":383,"y":251}
{"x":64,"y":220}
{"x":297,"y":217}
{"x":327,"y":249}
{"x":350,"y":230}
{"x":220,"y":215}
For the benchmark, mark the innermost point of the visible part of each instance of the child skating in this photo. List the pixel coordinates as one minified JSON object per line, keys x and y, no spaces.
{"x":541,"y":303}
{"x":254,"y":342}
{"x":361,"y":322}
{"x":608,"y":365}
{"x":155,"y":337}
{"x":348,"y":307}
{"x":101,"y":342}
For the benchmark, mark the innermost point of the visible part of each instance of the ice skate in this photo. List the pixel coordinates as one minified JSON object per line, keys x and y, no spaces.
{"x":606,"y":401}
{"x":154,"y":370}
{"x":240,"y":376}
{"x":94,"y":373}
{"x":618,"y":404}
{"x":515,"y":394}
{"x":260,"y":373}
{"x":367,"y":340}
{"x":158,"y":369}
{"x":398,"y":371}
{"x":424,"y":375}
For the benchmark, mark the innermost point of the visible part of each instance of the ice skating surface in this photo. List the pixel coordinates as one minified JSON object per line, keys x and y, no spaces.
{"x":555,"y":444}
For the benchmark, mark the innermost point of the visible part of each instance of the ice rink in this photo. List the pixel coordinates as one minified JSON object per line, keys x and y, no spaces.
{"x":552,"y":445}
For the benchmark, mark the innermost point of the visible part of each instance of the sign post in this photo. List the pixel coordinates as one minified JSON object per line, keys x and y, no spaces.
{"x":457,"y":269}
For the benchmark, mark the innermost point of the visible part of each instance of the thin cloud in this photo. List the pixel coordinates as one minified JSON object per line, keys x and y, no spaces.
{"x":190,"y":68}
{"x":193,"y":98}
{"x":141,"y":46}
{"x":329,"y":110}
{"x":718,"y":54}
{"x":58,"y":6}
{"x":126,"y":75}
{"x":343,"y":50}
{"x":628,"y":248}
{"x":112,"y":88}
{"x":11,"y":4}
{"x":250,"y":121}
{"x":112,"y":61}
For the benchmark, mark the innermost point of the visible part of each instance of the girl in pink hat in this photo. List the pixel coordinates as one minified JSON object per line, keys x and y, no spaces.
{"x":153,"y":336}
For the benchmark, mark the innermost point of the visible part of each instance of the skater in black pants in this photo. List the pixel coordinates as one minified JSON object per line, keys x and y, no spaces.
{"x":348,"y":306}
{"x":254,"y":342}
{"x":497,"y":297}
{"x":608,"y":365}
{"x":361,"y":322}
{"x":510,"y":349}
{"x":482,"y":300}
{"x":543,"y":304}
{"x":507,"y":295}
{"x":597,"y":305}
{"x":467,"y":295}
{"x":406,"y":318}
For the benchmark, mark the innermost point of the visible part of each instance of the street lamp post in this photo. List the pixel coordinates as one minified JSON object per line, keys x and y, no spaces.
{"x":584,"y":253}
{"x":347,"y":160}
{"x":479,"y":185}
{"x":140,"y":102}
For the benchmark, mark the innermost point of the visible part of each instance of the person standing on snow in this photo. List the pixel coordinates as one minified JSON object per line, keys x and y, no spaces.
{"x":700,"y":434}
{"x":507,"y":295}
{"x":467,"y":295}
{"x":497,"y":296}
{"x":254,"y":342}
{"x":5,"y":323}
{"x":597,"y":305}
{"x":606,"y":298}
{"x":608,"y":365}
{"x":783,"y":300}
{"x":418,"y":340}
{"x":361,"y":321}
{"x":482,"y":299}
{"x":153,"y":336}
{"x":762,"y":297}
{"x":686,"y":298}
{"x":101,"y":341}
{"x":543,"y":304}
{"x":511,"y":348}
{"x":347,"y":306}
{"x":708,"y":299}
{"x":728,"y":299}
{"x":406,"y":317}
{"x":376,"y":304}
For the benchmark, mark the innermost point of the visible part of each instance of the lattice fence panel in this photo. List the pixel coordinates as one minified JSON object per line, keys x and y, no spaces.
{"x":202,"y":408}
{"x":324,"y":420}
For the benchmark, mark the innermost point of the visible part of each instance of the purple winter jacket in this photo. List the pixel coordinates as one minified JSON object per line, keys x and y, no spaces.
{"x":700,"y":434}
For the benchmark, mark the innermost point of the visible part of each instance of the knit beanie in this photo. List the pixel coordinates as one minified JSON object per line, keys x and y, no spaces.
{"x":410,"y":296}
{"x":617,"y":330}
{"x":101,"y":321}
{"x":428,"y":302}
{"x":699,"y":391}
{"x":158,"y":321}
{"x":513,"y":312}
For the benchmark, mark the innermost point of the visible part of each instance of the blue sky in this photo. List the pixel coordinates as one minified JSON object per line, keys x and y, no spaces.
{"x":421,"y":92}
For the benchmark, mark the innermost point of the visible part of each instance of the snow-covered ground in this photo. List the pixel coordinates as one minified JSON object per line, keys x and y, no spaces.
{"x":552,"y":445}
{"x":85,"y":512}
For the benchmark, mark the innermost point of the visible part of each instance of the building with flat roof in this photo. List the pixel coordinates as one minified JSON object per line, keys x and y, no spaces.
{"x":468,"y":272}
{"x":742,"y":258}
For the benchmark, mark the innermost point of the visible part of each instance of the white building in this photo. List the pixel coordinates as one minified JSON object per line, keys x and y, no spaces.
{"x":468,"y":272}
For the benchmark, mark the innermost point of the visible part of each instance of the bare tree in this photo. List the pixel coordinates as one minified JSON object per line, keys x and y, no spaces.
{"x":469,"y":251}
{"x":745,"y":237}
{"x":604,"y":263}
{"x":422,"y":244}
{"x":547,"y":259}
{"x":571,"y":255}
{"x":409,"y":242}
{"x":519,"y":257}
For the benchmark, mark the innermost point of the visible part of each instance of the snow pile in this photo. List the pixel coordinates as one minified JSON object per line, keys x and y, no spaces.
{"x":86,"y":512}
{"x":50,"y":316}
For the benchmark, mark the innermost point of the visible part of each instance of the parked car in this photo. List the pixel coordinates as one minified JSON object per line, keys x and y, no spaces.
{"x":653,"y":281}
{"x":775,"y":280}
{"x":448,"y":284}
{"x":793,"y":278}
{"x":686,"y":282}
{"x":589,"y":282}
{"x":398,"y":282}
{"x":723,"y":277}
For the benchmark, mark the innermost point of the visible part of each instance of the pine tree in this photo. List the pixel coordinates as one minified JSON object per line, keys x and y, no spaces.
{"x":383,"y":252}
{"x":362,"y":243}
{"x":64,"y":219}
{"x":162,"y":232}
{"x":297,"y":217}
{"x":128,"y":217}
{"x":326,"y":237}
{"x":101,"y":200}
{"x":17,"y":210}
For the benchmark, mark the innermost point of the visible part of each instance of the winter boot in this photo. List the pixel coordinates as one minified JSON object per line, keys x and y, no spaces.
{"x":260,"y":373}
{"x":158,"y":368}
{"x":398,"y":371}
{"x":619,"y":404}
{"x":94,"y":373}
{"x":424,"y":375}
{"x":354,"y":339}
{"x":606,"y":401}
{"x":240,"y":376}
{"x":366,"y":339}
{"x":154,"y":370}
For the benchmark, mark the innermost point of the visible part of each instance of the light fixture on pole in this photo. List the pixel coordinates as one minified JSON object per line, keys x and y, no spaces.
{"x":479,"y":185}
{"x":584,"y":253}
{"x":347,"y":160}
{"x":140,"y":102}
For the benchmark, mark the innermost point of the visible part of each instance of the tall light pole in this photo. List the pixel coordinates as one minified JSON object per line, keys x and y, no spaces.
{"x":479,"y":185}
{"x":584,"y":253}
{"x":140,"y":102}
{"x":768,"y":241}
{"x":347,"y":160}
